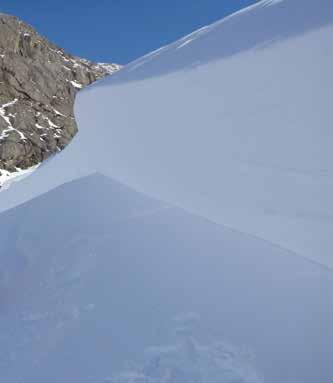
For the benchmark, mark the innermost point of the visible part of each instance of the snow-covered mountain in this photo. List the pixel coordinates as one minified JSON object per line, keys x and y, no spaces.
{"x":102,"y":283}
{"x":231,"y":122}
{"x":38,"y":84}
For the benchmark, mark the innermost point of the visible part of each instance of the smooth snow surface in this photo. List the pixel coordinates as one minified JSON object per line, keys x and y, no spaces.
{"x":241,"y":130}
{"x":102,"y":284}
{"x":234,"y":126}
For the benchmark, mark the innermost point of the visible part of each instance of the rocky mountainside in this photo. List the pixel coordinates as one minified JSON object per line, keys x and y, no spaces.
{"x":38,"y":84}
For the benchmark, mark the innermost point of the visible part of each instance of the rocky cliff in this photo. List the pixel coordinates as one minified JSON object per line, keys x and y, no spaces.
{"x":38,"y":84}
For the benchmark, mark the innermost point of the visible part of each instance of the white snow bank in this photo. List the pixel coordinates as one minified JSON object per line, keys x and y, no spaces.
{"x":234,"y":126}
{"x":240,"y":132}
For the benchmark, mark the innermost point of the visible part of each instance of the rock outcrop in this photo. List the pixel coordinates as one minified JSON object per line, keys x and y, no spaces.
{"x":38,"y":84}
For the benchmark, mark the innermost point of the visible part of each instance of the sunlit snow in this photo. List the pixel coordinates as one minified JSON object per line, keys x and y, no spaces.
{"x":225,"y":275}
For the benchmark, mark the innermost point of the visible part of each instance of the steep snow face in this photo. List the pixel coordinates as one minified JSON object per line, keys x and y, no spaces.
{"x":101,"y":284}
{"x":232,"y":122}
{"x":252,"y":28}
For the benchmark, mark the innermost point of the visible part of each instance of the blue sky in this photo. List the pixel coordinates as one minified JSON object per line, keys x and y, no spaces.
{"x":118,"y":30}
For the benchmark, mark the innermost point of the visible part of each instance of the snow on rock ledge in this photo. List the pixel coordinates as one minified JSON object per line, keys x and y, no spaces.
{"x":40,"y":78}
{"x":7,"y":178}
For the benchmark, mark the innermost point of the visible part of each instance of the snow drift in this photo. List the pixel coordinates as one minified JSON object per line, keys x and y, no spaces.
{"x":232,"y":122}
{"x":100,"y":283}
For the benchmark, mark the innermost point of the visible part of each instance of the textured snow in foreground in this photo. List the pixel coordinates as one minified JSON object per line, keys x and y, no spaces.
{"x":102,"y":284}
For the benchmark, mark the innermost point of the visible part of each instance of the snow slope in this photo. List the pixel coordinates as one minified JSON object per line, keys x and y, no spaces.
{"x":232,"y":122}
{"x":101,"y":284}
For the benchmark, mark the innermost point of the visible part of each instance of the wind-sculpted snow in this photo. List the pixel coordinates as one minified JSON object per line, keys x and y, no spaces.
{"x":242,"y":139}
{"x":102,"y":284}
{"x":260,"y":26}
{"x":237,"y":131}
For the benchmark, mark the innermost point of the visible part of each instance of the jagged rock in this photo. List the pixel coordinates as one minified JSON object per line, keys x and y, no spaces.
{"x":38,"y":84}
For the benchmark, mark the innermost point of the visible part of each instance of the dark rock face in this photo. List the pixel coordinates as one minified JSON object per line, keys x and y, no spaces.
{"x":38,"y":84}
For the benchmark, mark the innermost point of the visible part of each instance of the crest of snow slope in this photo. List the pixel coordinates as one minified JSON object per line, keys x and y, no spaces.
{"x":92,"y":274}
{"x":232,"y":122}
